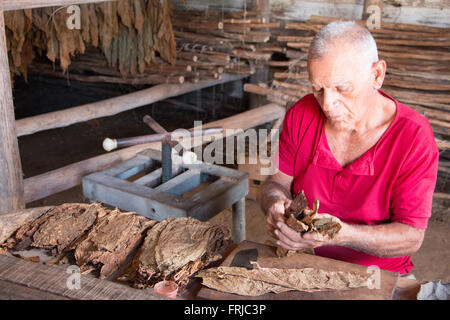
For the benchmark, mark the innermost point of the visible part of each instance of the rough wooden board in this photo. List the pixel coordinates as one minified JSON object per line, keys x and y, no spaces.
{"x":53,"y":280}
{"x":267,"y":258}
{"x":13,"y":291}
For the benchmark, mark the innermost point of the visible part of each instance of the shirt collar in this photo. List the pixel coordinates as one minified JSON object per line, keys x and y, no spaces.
{"x":323,"y":157}
{"x":364,"y":165}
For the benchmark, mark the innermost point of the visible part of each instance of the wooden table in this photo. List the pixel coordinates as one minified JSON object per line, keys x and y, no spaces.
{"x":20,"y":279}
{"x":25,"y":280}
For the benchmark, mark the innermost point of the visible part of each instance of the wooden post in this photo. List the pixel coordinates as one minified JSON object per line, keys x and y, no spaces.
{"x":238,"y":212}
{"x":11,"y":181}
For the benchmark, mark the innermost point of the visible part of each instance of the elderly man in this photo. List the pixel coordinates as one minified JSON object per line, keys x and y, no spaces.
{"x":370,"y":160}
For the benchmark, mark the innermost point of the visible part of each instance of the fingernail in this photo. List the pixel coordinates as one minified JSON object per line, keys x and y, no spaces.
{"x":277,"y":232}
{"x":279,"y":225}
{"x":278,"y":243}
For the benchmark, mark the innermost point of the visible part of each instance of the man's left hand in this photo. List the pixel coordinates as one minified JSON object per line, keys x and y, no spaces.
{"x":290,"y":239}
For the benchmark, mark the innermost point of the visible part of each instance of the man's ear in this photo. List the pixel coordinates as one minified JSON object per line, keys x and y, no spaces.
{"x":379,"y":71}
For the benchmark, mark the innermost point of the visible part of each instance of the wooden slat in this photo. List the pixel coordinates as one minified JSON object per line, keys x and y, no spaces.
{"x":53,"y":280}
{"x":109,"y":107}
{"x":181,"y":183}
{"x":29,"y":4}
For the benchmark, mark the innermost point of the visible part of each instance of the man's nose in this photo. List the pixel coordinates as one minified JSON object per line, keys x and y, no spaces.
{"x":329,"y":99}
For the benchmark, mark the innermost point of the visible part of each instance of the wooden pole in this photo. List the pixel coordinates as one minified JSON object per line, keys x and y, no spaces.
{"x":58,"y":180}
{"x":111,"y":106}
{"x":11,"y":182}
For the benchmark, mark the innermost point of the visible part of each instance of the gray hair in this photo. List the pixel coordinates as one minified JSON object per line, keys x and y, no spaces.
{"x":346,"y":31}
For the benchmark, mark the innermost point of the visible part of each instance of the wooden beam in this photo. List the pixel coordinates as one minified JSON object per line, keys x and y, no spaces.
{"x":58,"y":180}
{"x":112,"y":106}
{"x":11,"y":182}
{"x":7,"y":5}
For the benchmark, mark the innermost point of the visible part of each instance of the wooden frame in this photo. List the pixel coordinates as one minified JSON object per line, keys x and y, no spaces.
{"x":178,"y":197}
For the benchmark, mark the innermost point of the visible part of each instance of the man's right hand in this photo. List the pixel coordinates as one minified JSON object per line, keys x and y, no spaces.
{"x":275,"y":213}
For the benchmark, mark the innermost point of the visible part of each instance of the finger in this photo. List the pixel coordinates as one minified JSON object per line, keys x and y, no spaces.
{"x":285,"y":239}
{"x":271,"y":230}
{"x":288,"y":232}
{"x":287,"y":203}
{"x":314,"y":236}
{"x":271,"y":233}
{"x":270,"y":221}
{"x":329,"y":216}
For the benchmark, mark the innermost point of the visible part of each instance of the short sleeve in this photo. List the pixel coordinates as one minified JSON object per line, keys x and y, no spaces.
{"x":286,"y":147}
{"x":412,"y":193}
{"x":296,"y":122}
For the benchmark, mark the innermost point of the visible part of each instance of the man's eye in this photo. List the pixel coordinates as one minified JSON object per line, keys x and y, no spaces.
{"x":343,"y":89}
{"x":317,"y":90}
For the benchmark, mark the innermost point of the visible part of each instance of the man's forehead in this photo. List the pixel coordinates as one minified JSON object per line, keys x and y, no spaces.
{"x":333,"y":83}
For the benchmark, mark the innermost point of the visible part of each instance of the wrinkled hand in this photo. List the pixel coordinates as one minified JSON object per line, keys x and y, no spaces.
{"x":275,"y":213}
{"x":293,"y":240}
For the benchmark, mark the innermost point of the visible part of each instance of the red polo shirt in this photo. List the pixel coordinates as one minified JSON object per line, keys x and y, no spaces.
{"x":393,"y":181}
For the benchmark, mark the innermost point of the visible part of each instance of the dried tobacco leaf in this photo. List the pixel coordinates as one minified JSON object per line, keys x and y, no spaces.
{"x":259,"y":281}
{"x":111,"y":242}
{"x":175,"y":249}
{"x":302,"y":219}
{"x":57,"y":228}
{"x":145,"y":23}
{"x":60,"y":230}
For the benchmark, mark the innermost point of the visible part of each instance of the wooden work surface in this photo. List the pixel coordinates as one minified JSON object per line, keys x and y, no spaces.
{"x":20,"y":279}
{"x":267,"y":258}
{"x":25,"y":280}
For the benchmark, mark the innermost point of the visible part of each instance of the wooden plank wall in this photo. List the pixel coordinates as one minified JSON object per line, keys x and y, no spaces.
{"x":425,"y":12}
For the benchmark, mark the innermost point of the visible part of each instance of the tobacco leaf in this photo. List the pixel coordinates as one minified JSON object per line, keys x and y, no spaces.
{"x":260,"y":281}
{"x":57,"y":228}
{"x":124,"y":11}
{"x":301,"y":218}
{"x":110,"y":242}
{"x":145,"y":23}
{"x":297,"y":206}
{"x":175,"y":249}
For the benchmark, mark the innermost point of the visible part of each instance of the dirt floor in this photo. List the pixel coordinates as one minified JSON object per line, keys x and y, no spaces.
{"x":52,"y":149}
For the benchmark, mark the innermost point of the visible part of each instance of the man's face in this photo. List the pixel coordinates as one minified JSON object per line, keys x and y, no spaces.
{"x":341,"y":82}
